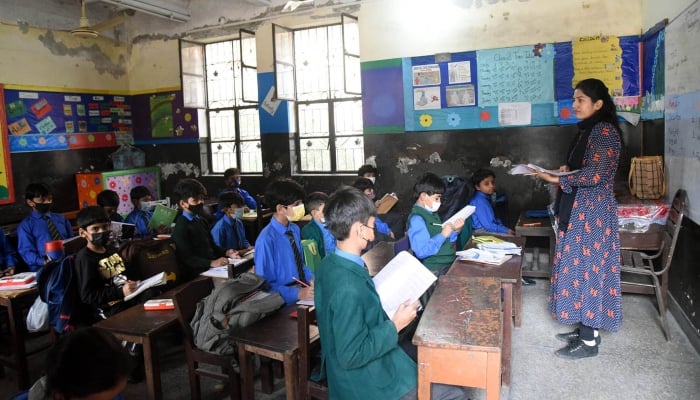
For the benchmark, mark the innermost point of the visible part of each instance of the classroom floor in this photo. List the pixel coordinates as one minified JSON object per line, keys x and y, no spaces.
{"x":635,"y":363}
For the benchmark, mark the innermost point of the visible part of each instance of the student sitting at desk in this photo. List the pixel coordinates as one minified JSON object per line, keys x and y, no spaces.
{"x":109,"y":200}
{"x":98,"y":270}
{"x":484,"y":219}
{"x":431,"y":242}
{"x":232,"y":180}
{"x":195,"y":248}
{"x":316,"y":228}
{"x":366,"y":186}
{"x":8,"y":256}
{"x":278,"y":252}
{"x":229,"y":232}
{"x":361,"y":352}
{"x":137,"y":216}
{"x":40,"y":226}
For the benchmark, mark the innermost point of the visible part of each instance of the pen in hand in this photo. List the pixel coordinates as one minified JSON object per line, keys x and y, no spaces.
{"x":303,"y":284}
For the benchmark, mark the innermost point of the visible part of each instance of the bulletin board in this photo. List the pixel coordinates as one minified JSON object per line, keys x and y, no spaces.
{"x":7,"y":191}
{"x":514,"y":86}
{"x":48,"y":121}
{"x":162,"y":118}
{"x":682,"y":107}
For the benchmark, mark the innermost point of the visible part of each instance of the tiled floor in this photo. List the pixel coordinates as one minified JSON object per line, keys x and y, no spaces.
{"x":635,"y":363}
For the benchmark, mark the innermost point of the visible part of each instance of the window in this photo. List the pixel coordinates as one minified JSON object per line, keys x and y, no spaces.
{"x":221,"y":79}
{"x":319,"y":68}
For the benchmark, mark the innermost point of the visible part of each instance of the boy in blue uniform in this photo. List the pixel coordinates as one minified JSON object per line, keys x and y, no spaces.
{"x":40,"y":226}
{"x":228,"y":232}
{"x":232,"y":180}
{"x":316,"y":228}
{"x":278,"y":252}
{"x":137,"y":216}
{"x":8,"y":256}
{"x":109,"y":200}
{"x":484,"y":219}
{"x":431,"y":241}
{"x":194,"y":246}
{"x":361,"y":351}
{"x":366,"y":186}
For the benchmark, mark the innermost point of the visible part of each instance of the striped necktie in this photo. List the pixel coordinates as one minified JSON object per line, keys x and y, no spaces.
{"x":52,"y":228}
{"x":297,"y":256}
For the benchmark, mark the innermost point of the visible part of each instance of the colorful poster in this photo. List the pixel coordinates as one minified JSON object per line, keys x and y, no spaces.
{"x":161,"y":106}
{"x":599,"y":57}
{"x":426,"y":75}
{"x":427,"y":98}
{"x":516,"y":74}
{"x":7,"y":193}
{"x":459,"y":72}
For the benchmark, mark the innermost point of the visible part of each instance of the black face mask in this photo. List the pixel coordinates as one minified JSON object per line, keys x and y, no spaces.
{"x":100,"y":239}
{"x":197,"y":209}
{"x":42,"y":208}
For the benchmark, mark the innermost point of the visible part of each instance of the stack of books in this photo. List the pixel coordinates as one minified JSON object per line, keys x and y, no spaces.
{"x":23,"y":280}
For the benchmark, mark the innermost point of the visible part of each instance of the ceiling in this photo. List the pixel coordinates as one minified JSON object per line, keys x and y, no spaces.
{"x":209,"y":18}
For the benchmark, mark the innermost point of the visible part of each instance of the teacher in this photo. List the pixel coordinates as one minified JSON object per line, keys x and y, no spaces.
{"x":585,"y":283}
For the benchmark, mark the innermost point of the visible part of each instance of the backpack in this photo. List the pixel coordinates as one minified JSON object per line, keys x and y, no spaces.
{"x":458,"y":192}
{"x":236,"y":303}
{"x":57,"y":288}
{"x":147,"y":257}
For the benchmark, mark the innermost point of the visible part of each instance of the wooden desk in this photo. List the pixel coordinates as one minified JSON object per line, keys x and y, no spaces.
{"x":16,"y":302}
{"x":642,"y":241}
{"x":378,"y":256}
{"x":509,"y":273}
{"x":275,"y":337}
{"x":537,"y":227}
{"x":139,"y":326}
{"x":235,"y":270}
{"x":459,"y":336}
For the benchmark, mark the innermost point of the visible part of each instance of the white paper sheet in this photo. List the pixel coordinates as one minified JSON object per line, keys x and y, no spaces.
{"x":403,"y":278}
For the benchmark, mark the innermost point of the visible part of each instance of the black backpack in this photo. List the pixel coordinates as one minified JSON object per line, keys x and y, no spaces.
{"x":458,"y":192}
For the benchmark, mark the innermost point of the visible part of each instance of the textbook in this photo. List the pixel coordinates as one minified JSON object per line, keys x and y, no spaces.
{"x":483,"y":256}
{"x":156,"y":280}
{"x":522,"y":169}
{"x":463,"y":214}
{"x":162,"y":215}
{"x":386,"y":203}
{"x":159,"y":304}
{"x":23,"y":278}
{"x":403,"y":278}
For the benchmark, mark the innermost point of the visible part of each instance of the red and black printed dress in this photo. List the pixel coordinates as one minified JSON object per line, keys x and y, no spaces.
{"x":585,"y":283}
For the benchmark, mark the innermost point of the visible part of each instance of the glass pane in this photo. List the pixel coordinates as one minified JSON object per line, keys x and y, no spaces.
{"x":193,"y":91}
{"x":313,"y":120}
{"x":222,"y":125}
{"x":284,"y":62}
{"x":220,"y":70}
{"x":348,"y":118}
{"x":250,"y":85}
{"x":251,"y":157}
{"x":352,"y":75}
{"x":192,"y":65}
{"x":315,"y":155}
{"x":192,"y":58}
{"x":311,"y":60}
{"x":349,"y":153}
{"x":249,"y":123}
{"x":223,"y":156}
{"x":351,"y":35}
{"x":335,"y":60}
{"x":248,"y":49}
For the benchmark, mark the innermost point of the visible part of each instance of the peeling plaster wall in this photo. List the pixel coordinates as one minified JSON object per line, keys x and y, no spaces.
{"x":39,"y":57}
{"x":154,"y":64}
{"x":406,"y":28}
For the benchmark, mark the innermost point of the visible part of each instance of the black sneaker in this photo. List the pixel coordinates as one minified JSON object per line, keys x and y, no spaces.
{"x":569,"y":337}
{"x":577,"y":349}
{"x":528,"y":281}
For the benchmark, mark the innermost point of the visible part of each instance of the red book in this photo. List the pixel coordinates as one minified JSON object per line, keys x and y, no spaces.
{"x":159,"y":304}
{"x":22,"y":278}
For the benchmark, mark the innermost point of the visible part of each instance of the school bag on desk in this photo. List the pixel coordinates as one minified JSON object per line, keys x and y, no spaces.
{"x":235,"y":303}
{"x":147,"y":257}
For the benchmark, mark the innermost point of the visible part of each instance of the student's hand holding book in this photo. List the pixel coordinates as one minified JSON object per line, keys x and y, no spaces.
{"x":129,"y":287}
{"x":231,"y":253}
{"x":449,"y":227}
{"x":405,"y":314}
{"x":218,"y":262}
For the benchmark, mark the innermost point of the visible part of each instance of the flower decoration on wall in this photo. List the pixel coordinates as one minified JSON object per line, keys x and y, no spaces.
{"x":453,"y":119}
{"x":426,"y":120}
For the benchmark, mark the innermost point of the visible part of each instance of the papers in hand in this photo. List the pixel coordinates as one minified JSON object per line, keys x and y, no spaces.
{"x":483,"y":256}
{"x":403,"y":278}
{"x":156,"y":280}
{"x":461,"y":214}
{"x":526,"y":169}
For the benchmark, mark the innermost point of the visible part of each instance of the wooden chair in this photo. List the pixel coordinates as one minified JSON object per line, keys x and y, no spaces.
{"x":640,"y":275}
{"x":309,"y":348}
{"x":185,"y":304}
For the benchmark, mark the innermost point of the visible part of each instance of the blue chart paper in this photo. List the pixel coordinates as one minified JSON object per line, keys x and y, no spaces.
{"x":515,"y":74}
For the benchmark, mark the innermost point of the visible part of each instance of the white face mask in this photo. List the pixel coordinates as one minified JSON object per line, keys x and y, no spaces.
{"x":434,"y":207}
{"x":372,"y":178}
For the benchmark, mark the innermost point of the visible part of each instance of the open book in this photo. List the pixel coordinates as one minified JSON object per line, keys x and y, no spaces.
{"x":403,"y":278}
{"x":156,"y":280}
{"x":523,"y":169}
{"x":386,"y":203}
{"x":483,"y":256}
{"x":464,"y":213}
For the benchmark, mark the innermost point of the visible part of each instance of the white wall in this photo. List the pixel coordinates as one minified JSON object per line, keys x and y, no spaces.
{"x":656,"y":10}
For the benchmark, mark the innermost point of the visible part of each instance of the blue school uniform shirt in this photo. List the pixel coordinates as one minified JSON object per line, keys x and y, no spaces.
{"x":229,"y":233}
{"x":484,"y":218}
{"x":8,"y":255}
{"x":140,"y":218}
{"x":382,"y":227}
{"x":247,"y":198}
{"x":274,"y":259}
{"x":328,"y":239}
{"x":33,"y":233}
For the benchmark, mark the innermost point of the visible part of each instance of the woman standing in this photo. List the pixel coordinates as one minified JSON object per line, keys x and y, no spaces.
{"x":585,"y":282}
